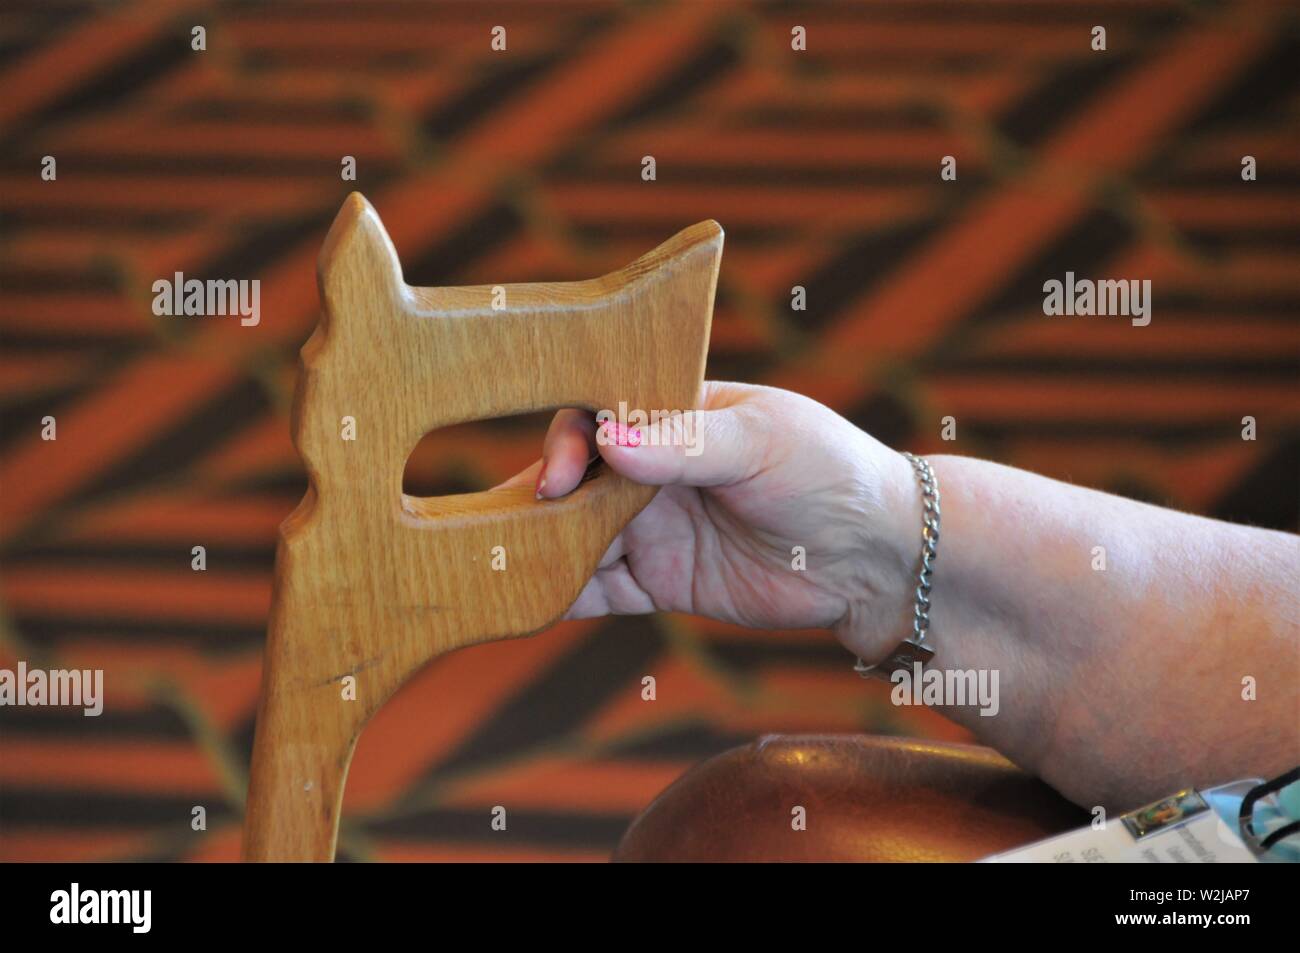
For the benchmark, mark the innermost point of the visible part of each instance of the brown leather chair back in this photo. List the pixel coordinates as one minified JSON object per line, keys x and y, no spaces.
{"x":865,"y":799}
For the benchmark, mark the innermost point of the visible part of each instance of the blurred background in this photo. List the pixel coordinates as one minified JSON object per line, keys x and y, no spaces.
{"x":924,"y":300}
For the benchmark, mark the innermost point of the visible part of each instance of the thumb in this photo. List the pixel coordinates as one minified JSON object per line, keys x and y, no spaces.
{"x":691,"y":448}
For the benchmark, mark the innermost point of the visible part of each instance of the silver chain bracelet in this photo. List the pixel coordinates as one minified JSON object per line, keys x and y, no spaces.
{"x":914,"y":649}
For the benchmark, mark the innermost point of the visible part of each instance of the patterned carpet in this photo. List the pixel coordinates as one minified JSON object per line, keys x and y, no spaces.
{"x":924,"y":301}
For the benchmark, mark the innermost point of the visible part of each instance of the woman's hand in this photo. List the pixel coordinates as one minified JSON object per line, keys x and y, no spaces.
{"x":1118,"y":682}
{"x":765,"y":475}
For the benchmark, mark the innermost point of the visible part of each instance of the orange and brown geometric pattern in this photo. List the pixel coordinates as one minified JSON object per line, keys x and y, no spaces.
{"x":924,"y":300}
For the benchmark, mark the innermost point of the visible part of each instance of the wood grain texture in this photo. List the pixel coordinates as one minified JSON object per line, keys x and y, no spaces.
{"x":371,"y":583}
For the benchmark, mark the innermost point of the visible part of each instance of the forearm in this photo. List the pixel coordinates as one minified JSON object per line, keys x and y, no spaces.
{"x":1117,"y":684}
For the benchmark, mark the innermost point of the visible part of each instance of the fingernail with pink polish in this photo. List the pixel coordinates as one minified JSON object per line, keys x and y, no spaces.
{"x":620,"y":435}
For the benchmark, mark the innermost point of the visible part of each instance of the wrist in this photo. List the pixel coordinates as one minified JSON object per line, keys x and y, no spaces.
{"x":979,"y":619}
{"x":881,"y":604}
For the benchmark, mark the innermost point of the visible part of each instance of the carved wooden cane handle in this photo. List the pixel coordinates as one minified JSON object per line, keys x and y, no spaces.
{"x":371,"y":583}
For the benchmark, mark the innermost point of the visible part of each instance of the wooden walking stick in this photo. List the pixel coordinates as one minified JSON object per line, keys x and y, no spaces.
{"x":370,"y":583}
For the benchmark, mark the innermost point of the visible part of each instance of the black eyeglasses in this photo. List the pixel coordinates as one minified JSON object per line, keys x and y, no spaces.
{"x":1246,"y":815}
